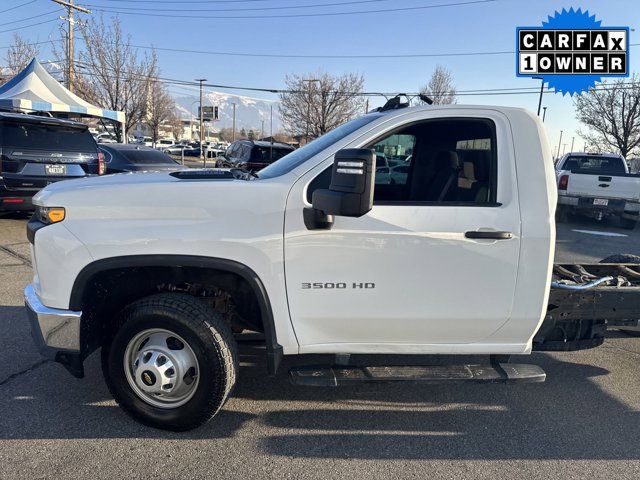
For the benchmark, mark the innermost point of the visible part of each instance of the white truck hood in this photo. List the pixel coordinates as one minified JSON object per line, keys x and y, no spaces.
{"x":128,"y":188}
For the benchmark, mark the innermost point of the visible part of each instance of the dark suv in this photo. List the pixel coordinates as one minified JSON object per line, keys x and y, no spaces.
{"x":36,"y":151}
{"x":253,"y":155}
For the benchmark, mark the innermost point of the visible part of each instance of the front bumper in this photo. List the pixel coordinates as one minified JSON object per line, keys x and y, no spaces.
{"x":55,"y":332}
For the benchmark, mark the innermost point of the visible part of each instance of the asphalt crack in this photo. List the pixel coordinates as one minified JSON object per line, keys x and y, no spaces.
{"x":22,"y":258}
{"x":13,"y":376}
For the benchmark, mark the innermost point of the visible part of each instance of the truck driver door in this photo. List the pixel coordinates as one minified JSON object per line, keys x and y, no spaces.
{"x":433,"y":264}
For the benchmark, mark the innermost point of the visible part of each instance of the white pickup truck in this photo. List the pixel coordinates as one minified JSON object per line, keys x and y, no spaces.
{"x":598,"y":185}
{"x":164,"y":270}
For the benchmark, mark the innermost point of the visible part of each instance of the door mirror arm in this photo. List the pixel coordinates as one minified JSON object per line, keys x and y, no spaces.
{"x":315,"y":219}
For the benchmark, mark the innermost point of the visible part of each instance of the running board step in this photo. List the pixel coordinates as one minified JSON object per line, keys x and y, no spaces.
{"x":335,"y":376}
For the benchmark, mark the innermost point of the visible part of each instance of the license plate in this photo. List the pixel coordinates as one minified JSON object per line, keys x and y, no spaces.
{"x":601,"y":201}
{"x":55,"y":169}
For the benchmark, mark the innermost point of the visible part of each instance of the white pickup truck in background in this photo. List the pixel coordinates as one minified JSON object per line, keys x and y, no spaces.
{"x":598,"y":185}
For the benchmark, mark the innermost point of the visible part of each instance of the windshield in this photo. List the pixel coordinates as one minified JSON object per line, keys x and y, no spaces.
{"x":585,"y":163}
{"x":298,"y":157}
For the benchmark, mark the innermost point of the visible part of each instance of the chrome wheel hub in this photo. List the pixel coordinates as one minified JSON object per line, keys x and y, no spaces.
{"x":161,"y":368}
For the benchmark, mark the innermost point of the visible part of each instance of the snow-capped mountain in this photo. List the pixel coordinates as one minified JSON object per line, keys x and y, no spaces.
{"x":250,"y":112}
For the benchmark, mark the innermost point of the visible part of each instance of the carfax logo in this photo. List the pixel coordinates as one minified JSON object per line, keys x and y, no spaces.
{"x":571,"y":51}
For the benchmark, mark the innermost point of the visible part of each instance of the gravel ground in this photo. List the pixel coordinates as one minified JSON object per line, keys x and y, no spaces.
{"x":582,"y":423}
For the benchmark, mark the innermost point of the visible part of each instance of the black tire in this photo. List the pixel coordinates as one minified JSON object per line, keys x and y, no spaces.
{"x":209,"y":338}
{"x":628,"y":223}
{"x":621,"y":258}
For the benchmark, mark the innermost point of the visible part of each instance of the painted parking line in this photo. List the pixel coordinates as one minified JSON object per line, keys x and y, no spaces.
{"x":604,"y":234}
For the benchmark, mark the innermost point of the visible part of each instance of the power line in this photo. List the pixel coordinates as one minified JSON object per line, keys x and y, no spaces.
{"x":474,"y":92}
{"x":29,"y":26}
{"x":288,"y":7}
{"x":30,"y":18}
{"x":186,"y":1}
{"x":36,"y":43}
{"x":297,"y":15}
{"x":285,"y":55}
{"x":18,"y":6}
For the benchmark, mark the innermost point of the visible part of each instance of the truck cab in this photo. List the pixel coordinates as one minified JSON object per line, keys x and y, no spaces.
{"x":160,"y":269}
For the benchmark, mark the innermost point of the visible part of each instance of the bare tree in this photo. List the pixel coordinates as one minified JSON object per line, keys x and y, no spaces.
{"x":160,"y":109}
{"x":611,"y":113}
{"x":312,"y":108}
{"x":112,"y":73}
{"x":226,"y":134}
{"x":176,"y":125}
{"x":18,"y":56}
{"x":440,"y":87}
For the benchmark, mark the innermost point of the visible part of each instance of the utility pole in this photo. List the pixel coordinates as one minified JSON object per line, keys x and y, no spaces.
{"x":309,"y":81}
{"x":71,"y":71}
{"x":559,"y":142}
{"x":233,"y":133}
{"x":572,"y":139}
{"x":544,"y":113}
{"x":262,"y":130}
{"x":201,"y":80}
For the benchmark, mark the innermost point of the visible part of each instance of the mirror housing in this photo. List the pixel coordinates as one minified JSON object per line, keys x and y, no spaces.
{"x":352,"y":181}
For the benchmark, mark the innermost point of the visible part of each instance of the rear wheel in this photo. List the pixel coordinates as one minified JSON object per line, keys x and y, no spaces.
{"x":172,"y":363}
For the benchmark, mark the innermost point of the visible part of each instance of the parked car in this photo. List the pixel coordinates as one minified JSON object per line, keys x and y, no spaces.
{"x":598,"y":185}
{"x":121,"y":157}
{"x":146,"y":141}
{"x":253,"y":155}
{"x":36,"y":151}
{"x":175,"y":149}
{"x":164,"y":143}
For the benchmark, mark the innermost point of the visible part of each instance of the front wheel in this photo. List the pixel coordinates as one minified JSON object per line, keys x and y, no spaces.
{"x":172,"y":363}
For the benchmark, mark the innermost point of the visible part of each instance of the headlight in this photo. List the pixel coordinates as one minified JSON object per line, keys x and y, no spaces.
{"x":48,"y":215}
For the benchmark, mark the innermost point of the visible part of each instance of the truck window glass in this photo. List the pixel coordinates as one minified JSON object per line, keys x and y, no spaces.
{"x":433,"y":162}
{"x":608,"y":165}
{"x":298,"y":157}
{"x":450,"y":161}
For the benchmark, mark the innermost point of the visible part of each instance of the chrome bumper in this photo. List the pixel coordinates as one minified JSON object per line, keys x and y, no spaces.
{"x":53,"y":330}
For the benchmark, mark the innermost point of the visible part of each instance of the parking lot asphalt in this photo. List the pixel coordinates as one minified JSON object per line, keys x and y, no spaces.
{"x":583,"y":422}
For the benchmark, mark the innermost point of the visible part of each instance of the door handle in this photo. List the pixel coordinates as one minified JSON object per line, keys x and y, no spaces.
{"x":489,"y":235}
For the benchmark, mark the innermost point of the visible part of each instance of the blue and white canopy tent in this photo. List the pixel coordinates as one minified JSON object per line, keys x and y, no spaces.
{"x":35,"y":90}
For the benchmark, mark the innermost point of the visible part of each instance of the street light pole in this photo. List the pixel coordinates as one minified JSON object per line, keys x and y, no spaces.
{"x":572,"y":140}
{"x":201,"y":80}
{"x":559,"y":143}
{"x":544,"y":113}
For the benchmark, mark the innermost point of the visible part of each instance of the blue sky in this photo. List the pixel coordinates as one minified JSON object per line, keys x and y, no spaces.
{"x":479,"y":27}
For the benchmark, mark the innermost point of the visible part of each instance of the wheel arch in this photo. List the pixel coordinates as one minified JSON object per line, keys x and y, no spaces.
{"x":273,"y":349}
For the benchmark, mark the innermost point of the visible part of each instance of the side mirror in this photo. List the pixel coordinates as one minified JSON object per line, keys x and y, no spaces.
{"x":351,"y":190}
